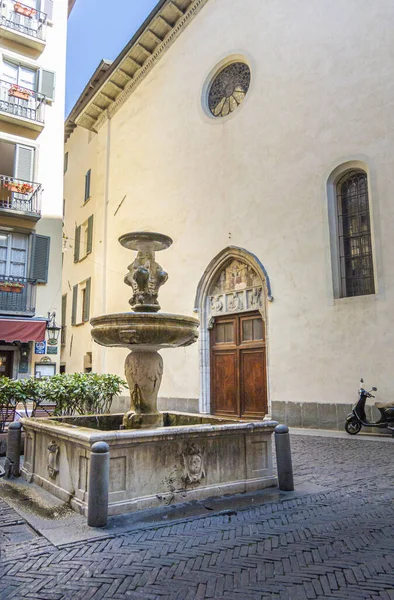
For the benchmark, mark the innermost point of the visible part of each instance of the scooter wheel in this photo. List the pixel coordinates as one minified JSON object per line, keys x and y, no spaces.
{"x":353,"y":426}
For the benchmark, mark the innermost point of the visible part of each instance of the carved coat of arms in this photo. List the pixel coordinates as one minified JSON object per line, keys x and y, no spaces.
{"x":193,"y":464}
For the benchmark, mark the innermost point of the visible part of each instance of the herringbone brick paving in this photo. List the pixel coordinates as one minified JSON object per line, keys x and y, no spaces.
{"x":335,"y":544}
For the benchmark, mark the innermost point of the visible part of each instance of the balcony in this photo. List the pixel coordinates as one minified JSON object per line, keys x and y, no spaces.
{"x":20,"y":198}
{"x":21,"y":106}
{"x":23,"y":24}
{"x":17,"y":296}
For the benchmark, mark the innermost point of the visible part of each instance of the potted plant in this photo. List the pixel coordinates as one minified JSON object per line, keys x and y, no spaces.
{"x":19,"y":92}
{"x":26,"y":11}
{"x":11,"y":286}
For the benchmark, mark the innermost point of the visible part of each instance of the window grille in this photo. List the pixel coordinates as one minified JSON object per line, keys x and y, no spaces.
{"x":229,"y":89}
{"x":356,"y":260}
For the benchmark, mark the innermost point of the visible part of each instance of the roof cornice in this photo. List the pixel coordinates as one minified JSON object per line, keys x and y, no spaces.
{"x":70,"y":6}
{"x":162,"y":27}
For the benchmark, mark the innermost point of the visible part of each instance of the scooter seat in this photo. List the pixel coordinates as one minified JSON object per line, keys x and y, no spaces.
{"x":384,"y":404}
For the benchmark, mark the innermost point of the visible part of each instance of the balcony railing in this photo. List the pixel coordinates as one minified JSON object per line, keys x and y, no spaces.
{"x":19,"y":195}
{"x":17,"y":295}
{"x":21,"y":102}
{"x":23,"y":19}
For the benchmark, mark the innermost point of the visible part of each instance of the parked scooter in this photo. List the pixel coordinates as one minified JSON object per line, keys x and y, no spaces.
{"x":357,"y":418}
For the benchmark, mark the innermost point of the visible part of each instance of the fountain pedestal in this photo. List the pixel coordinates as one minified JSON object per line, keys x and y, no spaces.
{"x":143,"y":371}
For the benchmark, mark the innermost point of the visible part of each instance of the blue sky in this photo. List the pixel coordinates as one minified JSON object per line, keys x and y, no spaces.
{"x":96,"y":30}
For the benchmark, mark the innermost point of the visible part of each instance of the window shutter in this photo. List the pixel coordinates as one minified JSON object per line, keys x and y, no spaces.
{"x":65,"y":163}
{"x":64,"y":309}
{"x":77,"y":240}
{"x":86,"y":312}
{"x":74,"y":306}
{"x":40,"y":260}
{"x":90,"y":235}
{"x":47,"y":8}
{"x":24,"y":156}
{"x":46,"y":84}
{"x":87,"y":185}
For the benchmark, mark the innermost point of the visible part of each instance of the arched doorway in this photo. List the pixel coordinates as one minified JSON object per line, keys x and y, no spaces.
{"x":231,"y":301}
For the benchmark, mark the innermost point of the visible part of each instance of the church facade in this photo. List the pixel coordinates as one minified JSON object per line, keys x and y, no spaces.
{"x":258,"y":137}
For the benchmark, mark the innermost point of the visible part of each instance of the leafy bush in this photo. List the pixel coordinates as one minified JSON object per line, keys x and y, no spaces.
{"x":76,"y":393}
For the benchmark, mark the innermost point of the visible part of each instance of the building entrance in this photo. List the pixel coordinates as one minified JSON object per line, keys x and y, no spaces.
{"x":6,"y":359}
{"x":238,"y":366}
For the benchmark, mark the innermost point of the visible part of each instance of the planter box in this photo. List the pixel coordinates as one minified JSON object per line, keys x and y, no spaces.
{"x":18,"y":94}
{"x":10,"y":288}
{"x":24,"y":10}
{"x":17,"y":189}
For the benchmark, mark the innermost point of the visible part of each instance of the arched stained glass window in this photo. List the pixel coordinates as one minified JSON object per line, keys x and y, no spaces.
{"x":228,"y":89}
{"x":354,"y":227}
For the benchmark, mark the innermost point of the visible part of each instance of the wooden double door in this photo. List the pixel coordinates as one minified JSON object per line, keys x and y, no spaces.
{"x":238,"y":366}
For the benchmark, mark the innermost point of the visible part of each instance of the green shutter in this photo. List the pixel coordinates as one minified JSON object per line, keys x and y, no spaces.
{"x":46,"y":84}
{"x":47,"y":7}
{"x":65,"y":164}
{"x":77,"y":240}
{"x":86,"y":312}
{"x":87,"y":185}
{"x":74,"y":306}
{"x":90,"y":235}
{"x":64,"y":309}
{"x":24,"y":162}
{"x":40,"y":258}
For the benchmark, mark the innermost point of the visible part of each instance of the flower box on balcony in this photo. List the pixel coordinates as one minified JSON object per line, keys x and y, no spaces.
{"x":19,"y":92}
{"x":11,"y":286}
{"x":26,"y":11}
{"x":20,"y":188}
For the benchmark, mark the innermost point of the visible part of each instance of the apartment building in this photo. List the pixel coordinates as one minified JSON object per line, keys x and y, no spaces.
{"x":32,"y":93}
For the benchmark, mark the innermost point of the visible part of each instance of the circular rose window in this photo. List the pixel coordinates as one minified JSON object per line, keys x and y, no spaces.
{"x":228,"y":89}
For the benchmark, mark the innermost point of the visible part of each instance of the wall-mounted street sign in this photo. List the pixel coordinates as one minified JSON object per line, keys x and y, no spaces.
{"x":52,"y":350}
{"x":40,"y":347}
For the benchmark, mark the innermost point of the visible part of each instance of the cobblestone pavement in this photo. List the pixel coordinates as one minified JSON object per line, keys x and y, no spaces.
{"x":337,"y":543}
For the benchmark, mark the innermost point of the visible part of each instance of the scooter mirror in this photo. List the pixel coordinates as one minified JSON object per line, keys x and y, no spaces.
{"x":361,"y":380}
{"x":374,"y":389}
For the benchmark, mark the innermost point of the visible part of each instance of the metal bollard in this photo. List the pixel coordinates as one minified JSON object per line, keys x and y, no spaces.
{"x":283,"y":458}
{"x":98,"y":485}
{"x":14,"y":443}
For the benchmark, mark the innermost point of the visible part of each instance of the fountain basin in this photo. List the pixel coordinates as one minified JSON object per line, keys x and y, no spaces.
{"x":150,"y":468}
{"x":144,"y":331}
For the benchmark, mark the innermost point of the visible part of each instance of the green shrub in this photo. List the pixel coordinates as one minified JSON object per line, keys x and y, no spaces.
{"x":76,"y":393}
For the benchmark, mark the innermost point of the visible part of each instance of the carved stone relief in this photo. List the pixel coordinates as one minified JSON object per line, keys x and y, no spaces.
{"x":237,"y":288}
{"x":53,"y":456}
{"x":193,"y":464}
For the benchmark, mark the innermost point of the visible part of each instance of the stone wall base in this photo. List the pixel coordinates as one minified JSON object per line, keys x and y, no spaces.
{"x":188,"y":405}
{"x":312,"y":415}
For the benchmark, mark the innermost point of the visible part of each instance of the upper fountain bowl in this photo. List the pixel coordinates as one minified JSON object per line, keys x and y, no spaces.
{"x":145,"y":331}
{"x":145,"y":241}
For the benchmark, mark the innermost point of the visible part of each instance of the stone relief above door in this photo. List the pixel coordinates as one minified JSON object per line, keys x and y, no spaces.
{"x":237,"y":288}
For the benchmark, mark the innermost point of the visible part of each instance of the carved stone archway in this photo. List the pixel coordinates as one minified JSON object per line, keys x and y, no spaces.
{"x":234,"y":281}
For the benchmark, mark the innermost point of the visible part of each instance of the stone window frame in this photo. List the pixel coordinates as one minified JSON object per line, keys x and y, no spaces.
{"x":210,"y":76}
{"x":334,"y":235}
{"x":202,"y":308}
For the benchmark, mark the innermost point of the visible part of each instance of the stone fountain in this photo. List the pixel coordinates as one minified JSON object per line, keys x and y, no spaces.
{"x":144,"y":331}
{"x":154,"y":458}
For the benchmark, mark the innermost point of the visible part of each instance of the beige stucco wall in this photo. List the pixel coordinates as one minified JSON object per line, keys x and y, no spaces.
{"x":322,"y":93}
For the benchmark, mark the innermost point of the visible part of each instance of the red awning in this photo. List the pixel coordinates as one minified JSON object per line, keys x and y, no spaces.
{"x":14,"y":330}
